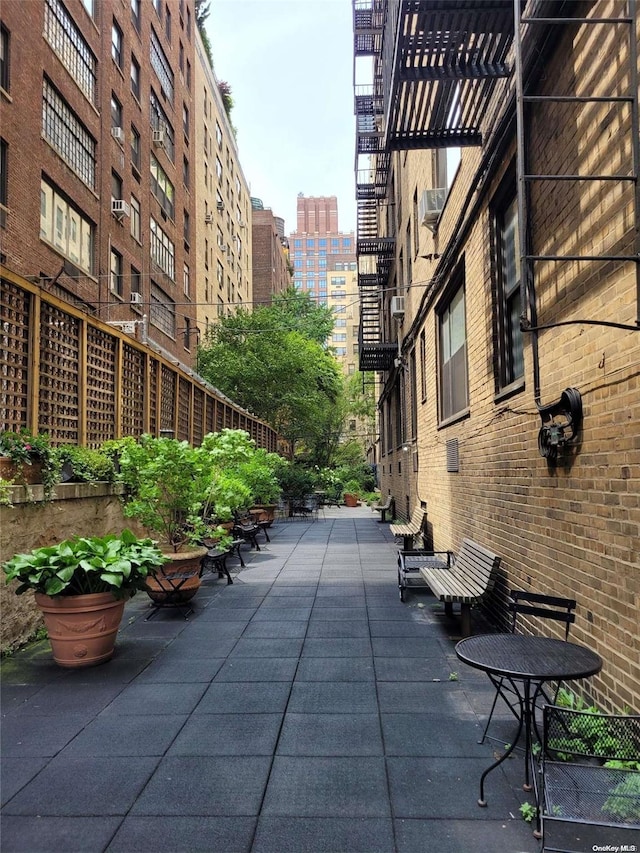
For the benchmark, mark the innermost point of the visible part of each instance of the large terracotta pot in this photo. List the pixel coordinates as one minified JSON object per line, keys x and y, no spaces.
{"x":29,"y":474}
{"x":82,"y":628}
{"x":264,"y":512}
{"x":181,"y":563}
{"x":350,"y":500}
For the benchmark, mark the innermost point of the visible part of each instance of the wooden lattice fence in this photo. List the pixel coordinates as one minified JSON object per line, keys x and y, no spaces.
{"x":83,"y":382}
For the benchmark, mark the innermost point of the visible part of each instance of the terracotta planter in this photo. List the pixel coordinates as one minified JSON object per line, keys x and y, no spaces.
{"x":264,"y":512}
{"x":182,"y":563}
{"x":82,"y":628}
{"x":350,"y":500}
{"x":29,"y":474}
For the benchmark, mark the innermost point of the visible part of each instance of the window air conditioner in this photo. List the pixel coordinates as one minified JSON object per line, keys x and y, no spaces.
{"x":118,"y":133}
{"x":208,"y":218}
{"x":430,"y":207}
{"x":136,"y":298}
{"x":157,"y":137}
{"x":220,"y":205}
{"x":120,"y":208}
{"x":223,"y":247}
{"x":397,"y":307}
{"x":242,"y":224}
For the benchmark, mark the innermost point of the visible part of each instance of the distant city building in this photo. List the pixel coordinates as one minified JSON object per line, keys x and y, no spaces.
{"x":271,"y":264}
{"x":324,"y":264}
{"x":223,"y":204}
{"x":97,"y":189}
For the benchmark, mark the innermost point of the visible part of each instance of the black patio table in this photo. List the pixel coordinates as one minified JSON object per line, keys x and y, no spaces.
{"x":526,"y":663}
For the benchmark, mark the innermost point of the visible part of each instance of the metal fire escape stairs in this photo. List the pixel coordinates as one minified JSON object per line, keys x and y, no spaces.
{"x":541,"y":19}
{"x":435,"y":63}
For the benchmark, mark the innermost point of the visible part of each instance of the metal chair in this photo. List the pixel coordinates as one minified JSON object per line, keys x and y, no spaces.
{"x":589,"y":780}
{"x":524,"y":603}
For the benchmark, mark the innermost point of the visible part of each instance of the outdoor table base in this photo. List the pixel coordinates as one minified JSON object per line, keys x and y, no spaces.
{"x":526,"y":663}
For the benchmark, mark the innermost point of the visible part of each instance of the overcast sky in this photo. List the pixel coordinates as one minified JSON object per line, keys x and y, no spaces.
{"x":289,"y":64}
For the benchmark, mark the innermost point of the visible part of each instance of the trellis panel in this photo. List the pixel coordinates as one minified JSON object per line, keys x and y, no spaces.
{"x":198,"y":416}
{"x":154,"y":370}
{"x":14,"y":344}
{"x":168,"y":381}
{"x":59,"y":389}
{"x":133,"y":391}
{"x":100,"y":385}
{"x":184,"y":409}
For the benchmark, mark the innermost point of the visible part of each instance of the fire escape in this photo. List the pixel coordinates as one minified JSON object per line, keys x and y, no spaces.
{"x":434,"y":65}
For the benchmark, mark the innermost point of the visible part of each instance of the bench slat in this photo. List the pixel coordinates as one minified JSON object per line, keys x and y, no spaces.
{"x":467,"y":581}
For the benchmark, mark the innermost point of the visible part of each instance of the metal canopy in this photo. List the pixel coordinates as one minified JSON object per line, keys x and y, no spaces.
{"x":440,"y":60}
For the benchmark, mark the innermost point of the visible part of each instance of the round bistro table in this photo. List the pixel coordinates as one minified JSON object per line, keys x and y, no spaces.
{"x":526,"y":663}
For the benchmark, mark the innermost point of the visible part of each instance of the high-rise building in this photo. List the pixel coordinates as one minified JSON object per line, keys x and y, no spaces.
{"x":223,"y":203}
{"x":97,"y":138}
{"x":324,"y":260}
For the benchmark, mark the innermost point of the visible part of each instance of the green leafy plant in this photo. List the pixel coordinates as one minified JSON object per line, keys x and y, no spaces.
{"x":24,"y":448}
{"x":528,"y":812}
{"x":78,"y":566}
{"x":5,"y":492}
{"x":169,"y":483}
{"x":623,"y":800}
{"x":84,"y":465}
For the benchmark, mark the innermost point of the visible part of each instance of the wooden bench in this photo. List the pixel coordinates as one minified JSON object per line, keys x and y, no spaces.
{"x":470,"y":577}
{"x":384,"y":508}
{"x":411,"y":529}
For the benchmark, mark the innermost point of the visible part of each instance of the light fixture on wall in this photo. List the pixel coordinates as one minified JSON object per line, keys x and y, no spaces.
{"x":561,"y":424}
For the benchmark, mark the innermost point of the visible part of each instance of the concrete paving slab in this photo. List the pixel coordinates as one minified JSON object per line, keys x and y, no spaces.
{"x":54,"y":834}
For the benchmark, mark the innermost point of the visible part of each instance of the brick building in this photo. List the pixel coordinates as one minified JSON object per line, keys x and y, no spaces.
{"x":223,"y":204}
{"x":271,"y":264}
{"x":511,"y":296}
{"x":97,"y":136}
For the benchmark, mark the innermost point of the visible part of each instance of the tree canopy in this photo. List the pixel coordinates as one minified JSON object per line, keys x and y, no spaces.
{"x":272,"y":361}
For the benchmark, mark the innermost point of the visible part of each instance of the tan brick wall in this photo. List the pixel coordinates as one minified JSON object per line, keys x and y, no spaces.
{"x":572,"y":529}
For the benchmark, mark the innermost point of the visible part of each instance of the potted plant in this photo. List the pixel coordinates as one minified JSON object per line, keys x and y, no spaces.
{"x":259,"y":475}
{"x":81,"y":586}
{"x":351,"y":491}
{"x":169,"y":483}
{"x":27,"y":459}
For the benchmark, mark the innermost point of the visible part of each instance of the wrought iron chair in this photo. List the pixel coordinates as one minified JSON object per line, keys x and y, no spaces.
{"x":524,"y":603}
{"x":589,"y":780}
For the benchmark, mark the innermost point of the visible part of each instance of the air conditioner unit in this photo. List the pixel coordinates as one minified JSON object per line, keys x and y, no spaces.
{"x":430,"y":207}
{"x":242,"y":224}
{"x":208,"y":218}
{"x":120,"y":208}
{"x":397,"y":307}
{"x":223,"y":247}
{"x":136,"y":298}
{"x":157,"y":137}
{"x":118,"y":133}
{"x":220,"y":205}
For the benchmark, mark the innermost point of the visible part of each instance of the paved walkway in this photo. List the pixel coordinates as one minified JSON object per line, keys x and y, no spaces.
{"x":303,"y":709}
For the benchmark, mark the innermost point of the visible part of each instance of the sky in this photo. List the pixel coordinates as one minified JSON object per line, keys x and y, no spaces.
{"x":290,"y":67}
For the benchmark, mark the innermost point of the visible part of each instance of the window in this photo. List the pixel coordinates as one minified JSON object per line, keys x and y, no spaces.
{"x":161,"y":66}
{"x":116,"y":186}
{"x":116,"y":112}
{"x":218,"y":135}
{"x":68,"y":44}
{"x":454,"y":395}
{"x":135,"y":219}
{"x":413,"y":389}
{"x":185,"y":121}
{"x":89,"y":5}
{"x":65,"y":228}
{"x":159,"y":121}
{"x":67,"y":135}
{"x":186,"y":281}
{"x":185,"y":171}
{"x":135,"y":14}
{"x":116,"y":44}
{"x":157,"y":5}
{"x":163,"y":252}
{"x":136,"y":281}
{"x":4,"y":182}
{"x":510,"y":355}
{"x":167,"y":23}
{"x":423,"y":365}
{"x":187,"y":333}
{"x":135,"y":148}
{"x":162,"y":188}
{"x":115,"y":272}
{"x":162,"y":311}
{"x":5,"y":79}
{"x":218,"y":169}
{"x":135,"y":77}
{"x":186,"y":227}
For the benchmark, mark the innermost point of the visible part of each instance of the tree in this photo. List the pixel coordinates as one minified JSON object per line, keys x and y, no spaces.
{"x":272,"y":363}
